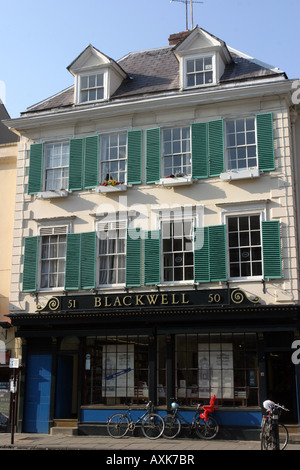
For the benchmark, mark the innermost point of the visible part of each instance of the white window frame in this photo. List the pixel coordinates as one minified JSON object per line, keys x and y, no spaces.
{"x":188,"y":213}
{"x":239,"y":146}
{"x":44,"y":231}
{"x":173,"y":252}
{"x":173,"y":154}
{"x":258,"y":209}
{"x":88,"y":74}
{"x":195,"y":57}
{"x":112,"y":224}
{"x":61,"y":167}
{"x":118,"y":159}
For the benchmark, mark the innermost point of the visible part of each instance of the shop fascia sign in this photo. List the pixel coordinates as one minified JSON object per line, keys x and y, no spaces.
{"x":149,"y":300}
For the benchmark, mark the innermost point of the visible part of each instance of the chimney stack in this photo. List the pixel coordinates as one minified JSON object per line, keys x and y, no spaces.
{"x":178,"y":37}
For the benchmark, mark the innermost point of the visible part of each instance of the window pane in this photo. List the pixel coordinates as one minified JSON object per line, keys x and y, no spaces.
{"x":190,"y":80}
{"x":84,"y":96}
{"x":199,"y":78}
{"x":100,"y":79}
{"x":199,"y":65}
{"x":190,"y":66}
{"x":84,"y":82}
{"x":207,"y":63}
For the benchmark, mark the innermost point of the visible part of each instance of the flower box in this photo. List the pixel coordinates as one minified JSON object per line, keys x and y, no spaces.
{"x":176,"y":180}
{"x":52,"y":194}
{"x":109,"y":188}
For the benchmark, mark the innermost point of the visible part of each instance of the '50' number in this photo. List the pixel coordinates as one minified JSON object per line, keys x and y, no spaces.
{"x":214,"y":298}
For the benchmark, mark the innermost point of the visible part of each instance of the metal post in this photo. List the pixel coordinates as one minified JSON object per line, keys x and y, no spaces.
{"x":12,"y":424}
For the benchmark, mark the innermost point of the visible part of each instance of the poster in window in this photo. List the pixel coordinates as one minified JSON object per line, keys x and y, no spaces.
{"x":118,"y":371}
{"x":215,"y":364}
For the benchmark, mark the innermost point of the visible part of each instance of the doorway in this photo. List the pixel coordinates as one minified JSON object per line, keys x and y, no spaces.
{"x":281,"y":384}
{"x":66,"y":380}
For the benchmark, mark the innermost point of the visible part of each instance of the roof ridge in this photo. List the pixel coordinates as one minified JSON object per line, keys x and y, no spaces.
{"x":144,"y":50}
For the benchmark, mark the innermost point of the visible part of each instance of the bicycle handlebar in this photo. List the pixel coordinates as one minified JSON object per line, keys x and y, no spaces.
{"x":269,"y":405}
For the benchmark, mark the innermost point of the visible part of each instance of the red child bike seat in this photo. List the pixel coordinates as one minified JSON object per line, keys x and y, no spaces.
{"x":208,"y":408}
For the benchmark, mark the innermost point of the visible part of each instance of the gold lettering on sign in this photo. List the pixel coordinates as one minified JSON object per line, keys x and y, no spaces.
{"x":183,"y":299}
{"x":106,"y":302}
{"x":124,"y":300}
{"x":152,"y":298}
{"x":174,"y":300}
{"x":138,"y":300}
{"x":164,"y":299}
{"x":117,"y":302}
{"x":97,"y":302}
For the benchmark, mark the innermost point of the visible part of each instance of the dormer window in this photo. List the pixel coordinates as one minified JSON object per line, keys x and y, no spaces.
{"x":97,"y":77}
{"x":202,"y":59}
{"x":199,"y":71}
{"x":91,"y":87}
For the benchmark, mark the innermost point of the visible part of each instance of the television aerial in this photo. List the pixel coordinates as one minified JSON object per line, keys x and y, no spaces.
{"x":191,"y":2}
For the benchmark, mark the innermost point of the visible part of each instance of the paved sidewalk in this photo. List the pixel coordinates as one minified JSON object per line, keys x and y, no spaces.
{"x":61,"y":442}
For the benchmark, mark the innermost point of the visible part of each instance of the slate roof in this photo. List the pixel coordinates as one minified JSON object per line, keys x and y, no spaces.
{"x":156,"y":71}
{"x":6,"y":135}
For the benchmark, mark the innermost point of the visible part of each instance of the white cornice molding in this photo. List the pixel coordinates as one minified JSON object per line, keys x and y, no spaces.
{"x":221,"y":93}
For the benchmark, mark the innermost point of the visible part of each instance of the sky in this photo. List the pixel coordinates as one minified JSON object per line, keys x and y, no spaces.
{"x":40,"y":38}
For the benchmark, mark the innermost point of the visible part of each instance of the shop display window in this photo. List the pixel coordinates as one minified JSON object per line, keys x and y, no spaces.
{"x":116,"y":370}
{"x":221,"y":364}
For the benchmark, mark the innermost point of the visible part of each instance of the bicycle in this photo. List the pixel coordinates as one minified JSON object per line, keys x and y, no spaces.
{"x":204,"y":425}
{"x":152,"y":423}
{"x":274,"y":435}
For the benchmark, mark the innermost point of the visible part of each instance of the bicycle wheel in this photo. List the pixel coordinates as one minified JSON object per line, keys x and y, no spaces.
{"x":172,"y":426}
{"x":283,"y":436}
{"x":207,"y":429}
{"x":118,"y":425}
{"x":269,"y":440}
{"x":153,"y":426}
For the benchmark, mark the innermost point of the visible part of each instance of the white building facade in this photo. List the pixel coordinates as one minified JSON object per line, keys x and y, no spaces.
{"x":156,"y":235}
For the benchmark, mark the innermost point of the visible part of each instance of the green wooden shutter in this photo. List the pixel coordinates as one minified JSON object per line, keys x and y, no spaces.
{"x":152,"y":257}
{"x":271,"y":249}
{"x":153,"y":155}
{"x":210,"y":262}
{"x":200,"y":150}
{"x":88,"y":260}
{"x":36,"y":163}
{"x":133,"y":258}
{"x":76,"y":164}
{"x":201,"y":255}
{"x":72,"y":276}
{"x":91,"y":159}
{"x":134,"y":157}
{"x":216,"y":147}
{"x":217,"y":253}
{"x":265,"y":142}
{"x":31,"y":250}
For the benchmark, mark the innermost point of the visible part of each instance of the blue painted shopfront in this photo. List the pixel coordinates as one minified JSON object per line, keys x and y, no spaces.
{"x":250,"y":419}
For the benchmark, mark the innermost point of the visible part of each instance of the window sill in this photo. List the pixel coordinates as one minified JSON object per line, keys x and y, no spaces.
{"x":52,"y":194}
{"x":176,"y":181}
{"x":112,"y":189}
{"x":240,"y":174}
{"x":246,"y":279}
